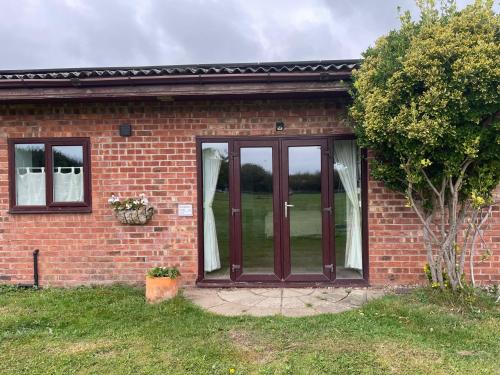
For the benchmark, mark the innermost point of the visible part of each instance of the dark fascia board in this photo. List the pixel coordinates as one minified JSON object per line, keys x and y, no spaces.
{"x":44,"y":84}
{"x":175,"y":79}
{"x":168,"y":91}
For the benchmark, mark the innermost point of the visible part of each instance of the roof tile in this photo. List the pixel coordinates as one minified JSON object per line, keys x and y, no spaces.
{"x":170,"y":70}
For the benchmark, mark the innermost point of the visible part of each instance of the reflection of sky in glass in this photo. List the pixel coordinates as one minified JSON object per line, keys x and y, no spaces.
{"x":30,"y":155}
{"x":302,"y":159}
{"x":30,"y":147}
{"x":71,"y":152}
{"x":221,"y":147}
{"x":305,"y":159}
{"x":262,"y":156}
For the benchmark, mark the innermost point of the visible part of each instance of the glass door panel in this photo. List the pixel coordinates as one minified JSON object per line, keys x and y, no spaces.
{"x":256,"y":179}
{"x":304,"y":209}
{"x":257,"y":232}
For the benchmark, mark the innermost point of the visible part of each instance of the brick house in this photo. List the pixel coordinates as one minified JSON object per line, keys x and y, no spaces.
{"x":253,"y":172}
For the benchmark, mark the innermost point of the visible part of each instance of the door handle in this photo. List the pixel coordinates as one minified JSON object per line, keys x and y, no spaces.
{"x":286,"y":208}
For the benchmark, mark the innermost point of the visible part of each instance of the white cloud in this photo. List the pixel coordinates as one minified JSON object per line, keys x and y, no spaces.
{"x":75,"y":33}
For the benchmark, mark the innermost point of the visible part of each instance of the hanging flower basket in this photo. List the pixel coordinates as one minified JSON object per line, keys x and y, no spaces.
{"x":137,"y":216}
{"x":132,"y":211}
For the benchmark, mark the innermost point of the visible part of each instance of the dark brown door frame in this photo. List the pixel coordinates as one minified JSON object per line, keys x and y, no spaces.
{"x":202,"y":282}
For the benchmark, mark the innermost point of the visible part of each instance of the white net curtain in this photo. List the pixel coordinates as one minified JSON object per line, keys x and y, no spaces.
{"x":346,"y":155}
{"x":30,"y":185}
{"x":211,"y":167}
{"x":68,"y":184}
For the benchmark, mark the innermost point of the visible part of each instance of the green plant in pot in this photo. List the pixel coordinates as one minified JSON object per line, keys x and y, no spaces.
{"x":162,"y":283}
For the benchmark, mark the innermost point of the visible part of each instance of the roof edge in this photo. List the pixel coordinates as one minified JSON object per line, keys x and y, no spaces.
{"x":185,"y":66}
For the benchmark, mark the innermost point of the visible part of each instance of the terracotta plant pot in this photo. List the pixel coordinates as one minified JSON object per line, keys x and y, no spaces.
{"x":159,"y":289}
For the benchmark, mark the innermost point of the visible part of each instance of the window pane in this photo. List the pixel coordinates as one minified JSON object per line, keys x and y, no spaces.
{"x":304,"y":212}
{"x":257,"y":221}
{"x":30,"y":174}
{"x":347,"y":187}
{"x":216,"y":209}
{"x":68,"y":173}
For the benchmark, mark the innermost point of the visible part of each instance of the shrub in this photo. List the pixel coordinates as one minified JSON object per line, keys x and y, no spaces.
{"x":426,"y":102}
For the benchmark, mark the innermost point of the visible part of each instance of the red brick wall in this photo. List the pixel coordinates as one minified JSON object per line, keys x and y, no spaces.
{"x":397,"y":254}
{"x":159,"y":160}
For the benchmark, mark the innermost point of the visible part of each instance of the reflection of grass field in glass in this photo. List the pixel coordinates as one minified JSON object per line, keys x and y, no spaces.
{"x":258,"y":250}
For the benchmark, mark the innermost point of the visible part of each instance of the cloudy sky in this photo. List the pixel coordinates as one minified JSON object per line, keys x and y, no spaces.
{"x":77,"y":33}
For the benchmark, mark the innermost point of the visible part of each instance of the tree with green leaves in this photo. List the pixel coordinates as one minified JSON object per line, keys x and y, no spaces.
{"x":426,"y":102}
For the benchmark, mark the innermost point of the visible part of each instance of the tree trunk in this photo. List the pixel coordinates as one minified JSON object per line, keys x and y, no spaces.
{"x":428,"y":246}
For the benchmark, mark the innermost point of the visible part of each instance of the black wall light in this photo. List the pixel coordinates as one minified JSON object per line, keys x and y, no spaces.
{"x":125,"y":130}
{"x":280,"y":126}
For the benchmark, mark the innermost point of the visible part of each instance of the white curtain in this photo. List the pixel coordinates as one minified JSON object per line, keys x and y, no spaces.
{"x":346,"y":164}
{"x":30,"y":186}
{"x":211,"y":167}
{"x":68,"y":184}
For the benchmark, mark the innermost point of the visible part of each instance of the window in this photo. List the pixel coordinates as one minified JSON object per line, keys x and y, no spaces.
{"x":49,"y":175}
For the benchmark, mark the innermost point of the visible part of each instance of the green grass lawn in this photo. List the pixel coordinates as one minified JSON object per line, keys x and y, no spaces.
{"x":112,"y":331}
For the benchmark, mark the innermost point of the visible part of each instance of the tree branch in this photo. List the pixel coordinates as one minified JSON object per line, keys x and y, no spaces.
{"x":431,"y":184}
{"x":419,"y":214}
{"x":458,"y":183}
{"x":473,"y":246}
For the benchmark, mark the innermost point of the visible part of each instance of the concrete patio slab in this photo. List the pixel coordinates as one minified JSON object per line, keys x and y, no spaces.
{"x":299,"y":312}
{"x":269,"y":292}
{"x":273,"y":302}
{"x":293,"y":302}
{"x":297,"y":292}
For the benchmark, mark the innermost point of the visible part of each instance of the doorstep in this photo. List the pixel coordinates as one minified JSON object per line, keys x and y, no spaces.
{"x":280,"y":301}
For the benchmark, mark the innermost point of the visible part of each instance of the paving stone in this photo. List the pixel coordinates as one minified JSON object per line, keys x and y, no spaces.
{"x":272,"y":293}
{"x":314,"y":300}
{"x":292,"y":303}
{"x":333,"y":308}
{"x":289,"y":302}
{"x":330,"y":294}
{"x":229,"y":309}
{"x":273,"y":302}
{"x":297,"y":292}
{"x":243,"y":297}
{"x":259,"y":291}
{"x":208,"y":301}
{"x":201,"y":292}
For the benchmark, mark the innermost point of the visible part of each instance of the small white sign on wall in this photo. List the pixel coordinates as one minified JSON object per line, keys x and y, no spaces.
{"x":185,"y":210}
